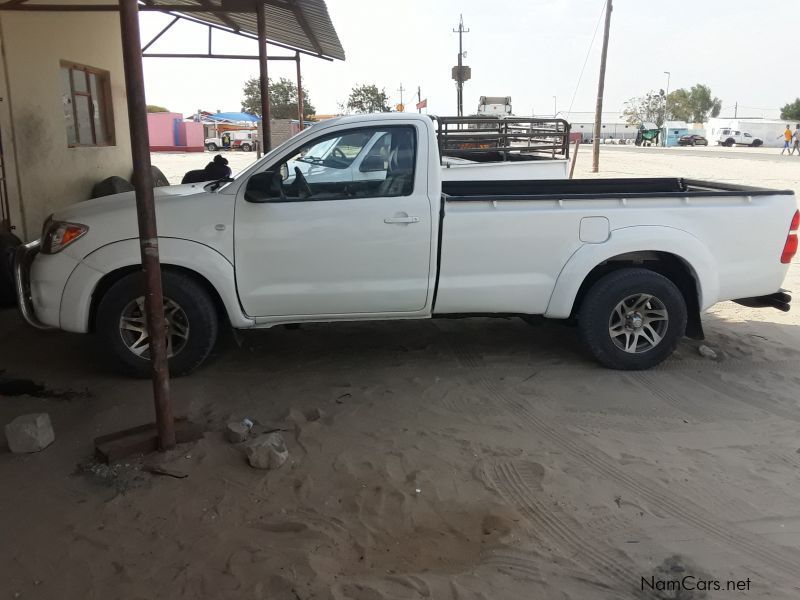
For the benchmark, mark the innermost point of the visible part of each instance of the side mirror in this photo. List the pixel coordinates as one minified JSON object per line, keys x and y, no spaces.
{"x":263,"y":187}
{"x":373,"y":163}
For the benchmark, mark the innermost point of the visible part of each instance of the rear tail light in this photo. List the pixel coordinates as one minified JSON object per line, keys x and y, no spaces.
{"x":790,"y":248}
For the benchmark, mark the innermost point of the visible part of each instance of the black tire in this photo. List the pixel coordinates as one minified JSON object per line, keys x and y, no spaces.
{"x":599,"y":304}
{"x":159,"y":179}
{"x":198,"y":309}
{"x":246,"y":148}
{"x":8,"y":246}
{"x":730,"y":143}
{"x":757,"y":143}
{"x":212,"y":147}
{"x":110,"y":186}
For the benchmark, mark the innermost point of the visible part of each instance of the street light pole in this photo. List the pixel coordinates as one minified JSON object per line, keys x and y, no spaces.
{"x":555,"y":107}
{"x":666,"y":114}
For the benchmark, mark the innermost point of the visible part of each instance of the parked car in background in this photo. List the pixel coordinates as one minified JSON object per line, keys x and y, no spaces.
{"x":692,"y":140}
{"x":233,"y":140}
{"x":731,"y":137}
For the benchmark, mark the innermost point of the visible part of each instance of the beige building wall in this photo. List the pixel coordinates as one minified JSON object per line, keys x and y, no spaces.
{"x":43,"y":172}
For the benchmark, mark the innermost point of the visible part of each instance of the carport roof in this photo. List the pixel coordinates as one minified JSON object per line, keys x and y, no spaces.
{"x":302,"y":24}
{"x":298,"y":24}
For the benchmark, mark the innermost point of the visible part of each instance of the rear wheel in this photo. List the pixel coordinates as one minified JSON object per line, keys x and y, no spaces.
{"x":730,"y":143}
{"x":757,"y":143}
{"x":191,"y":323}
{"x":246,"y":147}
{"x":632,"y":319}
{"x":211,"y":147}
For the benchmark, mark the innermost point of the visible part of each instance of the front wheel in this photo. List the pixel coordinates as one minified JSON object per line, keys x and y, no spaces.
{"x":632,"y":319}
{"x":211,"y":147}
{"x":246,"y":147}
{"x":191,"y":323}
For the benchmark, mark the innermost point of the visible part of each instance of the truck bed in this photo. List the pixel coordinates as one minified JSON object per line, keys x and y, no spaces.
{"x":586,"y":189}
{"x":528,"y":234}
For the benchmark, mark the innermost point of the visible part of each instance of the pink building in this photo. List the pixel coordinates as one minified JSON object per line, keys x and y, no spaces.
{"x":168,"y":132}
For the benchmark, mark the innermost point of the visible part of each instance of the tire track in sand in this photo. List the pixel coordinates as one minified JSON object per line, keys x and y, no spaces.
{"x":561,"y":535}
{"x":781,"y":558}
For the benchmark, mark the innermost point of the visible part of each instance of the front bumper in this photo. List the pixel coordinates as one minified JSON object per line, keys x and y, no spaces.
{"x":23,"y":259}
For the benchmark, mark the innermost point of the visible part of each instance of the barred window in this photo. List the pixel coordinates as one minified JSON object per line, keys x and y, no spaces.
{"x":88,"y":111}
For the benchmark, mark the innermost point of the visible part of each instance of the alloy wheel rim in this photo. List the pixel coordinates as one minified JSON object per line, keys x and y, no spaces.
{"x":133,"y":328}
{"x":638,"y":323}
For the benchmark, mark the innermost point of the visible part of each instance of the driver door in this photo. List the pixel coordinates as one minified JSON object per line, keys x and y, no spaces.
{"x":316,"y":244}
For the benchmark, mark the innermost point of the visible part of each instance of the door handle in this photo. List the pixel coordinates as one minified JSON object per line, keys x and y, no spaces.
{"x":392,"y":220}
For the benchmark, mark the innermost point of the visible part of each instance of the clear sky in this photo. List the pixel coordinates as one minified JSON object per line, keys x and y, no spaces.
{"x":531,"y":50}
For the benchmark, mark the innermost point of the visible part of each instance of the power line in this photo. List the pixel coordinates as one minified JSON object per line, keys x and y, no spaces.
{"x":586,"y":60}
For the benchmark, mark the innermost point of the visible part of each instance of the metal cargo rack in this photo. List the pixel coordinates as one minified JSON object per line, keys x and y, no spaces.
{"x":509,"y":138}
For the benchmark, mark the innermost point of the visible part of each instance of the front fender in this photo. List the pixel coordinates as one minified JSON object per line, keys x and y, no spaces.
{"x":635,"y":239}
{"x":76,"y":300}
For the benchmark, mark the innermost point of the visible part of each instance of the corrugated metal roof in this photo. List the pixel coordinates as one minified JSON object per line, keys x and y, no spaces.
{"x":301,"y":24}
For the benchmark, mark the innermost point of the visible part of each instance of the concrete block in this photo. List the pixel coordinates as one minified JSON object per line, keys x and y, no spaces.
{"x":237,"y":432}
{"x":267,"y":451}
{"x":30,"y":433}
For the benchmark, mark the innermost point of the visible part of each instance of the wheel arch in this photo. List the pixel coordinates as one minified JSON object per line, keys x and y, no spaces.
{"x":109,"y":279}
{"x":677,"y":255}
{"x":105,"y":266}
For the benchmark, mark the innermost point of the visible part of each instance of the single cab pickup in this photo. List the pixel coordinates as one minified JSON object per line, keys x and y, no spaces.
{"x":632,"y":261}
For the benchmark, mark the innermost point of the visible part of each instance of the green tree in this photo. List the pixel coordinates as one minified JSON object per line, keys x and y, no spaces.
{"x":679,"y":105}
{"x":282,"y":99}
{"x":367,"y":99}
{"x":694,"y":105}
{"x":645,"y":109}
{"x":154,"y":108}
{"x":791,"y":111}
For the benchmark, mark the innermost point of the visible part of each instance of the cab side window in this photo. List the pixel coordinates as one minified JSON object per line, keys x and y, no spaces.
{"x":367,"y":162}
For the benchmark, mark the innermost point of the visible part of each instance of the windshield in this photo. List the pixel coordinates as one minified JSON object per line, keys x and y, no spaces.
{"x":337,"y":152}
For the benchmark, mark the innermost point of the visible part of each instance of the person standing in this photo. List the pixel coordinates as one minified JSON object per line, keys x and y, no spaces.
{"x":796,"y":140}
{"x":787,"y":140}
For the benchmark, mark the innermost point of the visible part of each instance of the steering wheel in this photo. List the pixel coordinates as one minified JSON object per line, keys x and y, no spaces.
{"x":303,"y":189}
{"x":337,"y":152}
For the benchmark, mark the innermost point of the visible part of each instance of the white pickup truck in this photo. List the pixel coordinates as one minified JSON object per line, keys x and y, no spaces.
{"x":632,"y":261}
{"x":732,"y":137}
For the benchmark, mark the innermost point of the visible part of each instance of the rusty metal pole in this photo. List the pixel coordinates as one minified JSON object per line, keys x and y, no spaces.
{"x":300,"y":107}
{"x":145,"y":211}
{"x":264,"y":72}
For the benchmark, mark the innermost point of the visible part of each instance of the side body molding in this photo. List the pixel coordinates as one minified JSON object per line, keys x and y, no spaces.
{"x":636,"y":239}
{"x":203,"y":260}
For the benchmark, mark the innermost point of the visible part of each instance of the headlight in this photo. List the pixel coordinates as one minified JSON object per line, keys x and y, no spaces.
{"x":57,"y":235}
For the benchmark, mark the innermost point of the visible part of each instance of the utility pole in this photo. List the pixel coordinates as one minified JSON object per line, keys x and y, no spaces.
{"x":401,"y":89}
{"x":419,"y":98}
{"x":736,"y":111}
{"x":460,"y":73}
{"x":555,"y":106}
{"x":598,"y":115}
{"x":666,"y":111}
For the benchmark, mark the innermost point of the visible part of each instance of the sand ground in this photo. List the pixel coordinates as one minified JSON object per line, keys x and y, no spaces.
{"x":456,"y":459}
